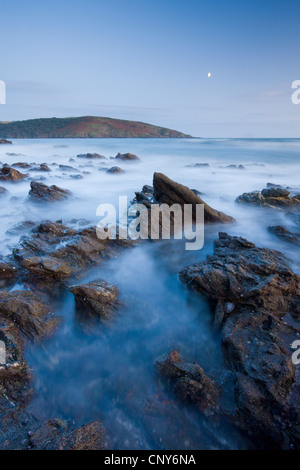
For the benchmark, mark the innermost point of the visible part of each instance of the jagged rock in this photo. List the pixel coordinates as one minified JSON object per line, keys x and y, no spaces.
{"x":55,"y":434}
{"x":126,"y":156}
{"x":189,"y":382}
{"x":166,"y":191}
{"x":270,"y":197}
{"x":42,"y":193}
{"x":284,"y":234}
{"x":115,"y":169}
{"x":10,"y":174}
{"x":8,"y":273}
{"x":91,"y":156}
{"x":44,"y":255}
{"x":96,"y":300}
{"x":263,"y":290}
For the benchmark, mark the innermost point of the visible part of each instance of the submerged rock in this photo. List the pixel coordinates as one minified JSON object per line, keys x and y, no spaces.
{"x":284,"y":234}
{"x":4,"y":141}
{"x":55,"y":434}
{"x":3,"y":191}
{"x":98,"y":300}
{"x":263,"y":290}
{"x":167,"y":191}
{"x":42,"y":193}
{"x":10,"y":174}
{"x":126,"y":156}
{"x":92,"y":156}
{"x":115,"y":170}
{"x":189,"y":382}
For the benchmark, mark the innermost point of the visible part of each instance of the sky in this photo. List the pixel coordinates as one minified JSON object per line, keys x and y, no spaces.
{"x":148,"y":60}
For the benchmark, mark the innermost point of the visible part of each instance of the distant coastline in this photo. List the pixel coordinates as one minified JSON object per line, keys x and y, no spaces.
{"x":84,"y":127}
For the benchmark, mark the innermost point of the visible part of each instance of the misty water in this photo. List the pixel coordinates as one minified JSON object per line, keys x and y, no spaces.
{"x":109,"y":374}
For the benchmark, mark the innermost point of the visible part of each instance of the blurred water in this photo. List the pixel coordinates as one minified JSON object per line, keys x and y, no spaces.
{"x":110,"y":375}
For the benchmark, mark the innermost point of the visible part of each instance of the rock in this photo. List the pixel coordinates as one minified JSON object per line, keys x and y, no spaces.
{"x":4,"y":141}
{"x":284,"y":234}
{"x":263,"y":290}
{"x":166,"y":191}
{"x":21,"y":227}
{"x":115,"y":169}
{"x":126,"y":157}
{"x":42,"y":193}
{"x":23,"y":165}
{"x":97,"y":300}
{"x":8,"y":274}
{"x":44,"y":167}
{"x":54,"y":251}
{"x":270,"y":197}
{"x":3,"y":191}
{"x":67,"y":168}
{"x":189,"y":382}
{"x":148,"y":190}
{"x":275,"y":192}
{"x":55,"y":434}
{"x":91,"y":156}
{"x":198,"y":165}
{"x":10,"y":174}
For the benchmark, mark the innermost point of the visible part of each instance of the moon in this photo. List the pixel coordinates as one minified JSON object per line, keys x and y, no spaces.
{"x":209,"y":74}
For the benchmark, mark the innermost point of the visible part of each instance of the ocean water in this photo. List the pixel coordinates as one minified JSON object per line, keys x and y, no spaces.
{"x":110,"y":375}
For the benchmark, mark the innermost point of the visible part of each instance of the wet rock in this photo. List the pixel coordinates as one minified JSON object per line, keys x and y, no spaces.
{"x":42,"y":193}
{"x":270,"y":197}
{"x":92,"y":156}
{"x":115,"y":170}
{"x":126,"y":157}
{"x":284,"y":234}
{"x":55,"y":434}
{"x":98,"y":300}
{"x":54,"y":251}
{"x":8,"y":273}
{"x":67,"y":168}
{"x":169,"y":192}
{"x":21,"y":227}
{"x":10,"y":174}
{"x":263,"y":290}
{"x":23,"y":165}
{"x":189,"y":382}
{"x":4,"y":141}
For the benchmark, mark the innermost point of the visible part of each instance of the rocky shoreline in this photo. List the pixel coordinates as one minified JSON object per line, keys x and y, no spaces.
{"x":253,"y":294}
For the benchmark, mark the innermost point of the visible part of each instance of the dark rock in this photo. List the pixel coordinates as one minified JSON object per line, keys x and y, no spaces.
{"x":44,"y":167}
{"x":148,"y":190}
{"x":261,"y":287}
{"x":44,"y":255}
{"x":115,"y":169}
{"x":10,"y":174}
{"x":189,"y":382}
{"x":284,"y":234}
{"x":3,"y":191}
{"x":40,"y":192}
{"x":4,"y":141}
{"x":21,"y":165}
{"x":198,"y":165}
{"x":67,"y":168}
{"x":166,"y":191}
{"x":91,"y":156}
{"x":21,"y":227}
{"x":271,"y":197}
{"x":8,"y":273}
{"x":126,"y":156}
{"x":55,"y":434}
{"x":98,"y":300}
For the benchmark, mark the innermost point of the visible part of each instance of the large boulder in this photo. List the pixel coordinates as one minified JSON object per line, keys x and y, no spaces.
{"x":42,"y":193}
{"x":252,"y":290}
{"x":273,"y":196}
{"x":167,"y":191}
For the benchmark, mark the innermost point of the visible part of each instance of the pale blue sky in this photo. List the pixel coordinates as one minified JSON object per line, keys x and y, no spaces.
{"x":148,"y":60}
